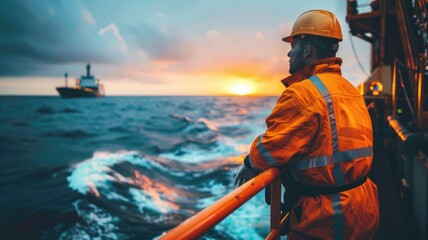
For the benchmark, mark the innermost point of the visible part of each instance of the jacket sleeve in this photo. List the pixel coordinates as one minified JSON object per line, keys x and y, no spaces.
{"x":290,"y":129}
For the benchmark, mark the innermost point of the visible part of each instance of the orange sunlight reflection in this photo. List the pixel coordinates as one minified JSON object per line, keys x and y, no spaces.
{"x":159,"y":193}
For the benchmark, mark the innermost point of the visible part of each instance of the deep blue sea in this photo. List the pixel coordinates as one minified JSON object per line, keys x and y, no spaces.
{"x":124,"y":167}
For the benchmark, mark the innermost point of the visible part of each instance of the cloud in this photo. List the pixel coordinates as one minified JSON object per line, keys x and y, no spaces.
{"x":212,"y":34}
{"x":44,"y":44}
{"x":115,"y":30}
{"x":88,"y":16}
{"x":160,"y":43}
{"x":149,"y":42}
{"x":237,"y":54}
{"x":38,"y":34}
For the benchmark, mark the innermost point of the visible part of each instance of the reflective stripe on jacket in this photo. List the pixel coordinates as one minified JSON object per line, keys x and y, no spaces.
{"x":320,"y":132}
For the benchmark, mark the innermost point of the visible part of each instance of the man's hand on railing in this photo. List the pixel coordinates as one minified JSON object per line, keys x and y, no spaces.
{"x":245,"y":174}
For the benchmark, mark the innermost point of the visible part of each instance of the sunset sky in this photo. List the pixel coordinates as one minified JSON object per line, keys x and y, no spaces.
{"x":140,"y":47}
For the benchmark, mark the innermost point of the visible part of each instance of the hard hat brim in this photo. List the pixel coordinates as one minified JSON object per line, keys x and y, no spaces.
{"x":288,"y":39}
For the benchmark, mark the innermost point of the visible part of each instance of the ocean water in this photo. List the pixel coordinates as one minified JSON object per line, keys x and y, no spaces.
{"x":124,"y":167}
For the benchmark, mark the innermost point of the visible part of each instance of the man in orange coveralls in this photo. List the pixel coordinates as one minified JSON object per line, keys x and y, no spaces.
{"x":320,"y":135}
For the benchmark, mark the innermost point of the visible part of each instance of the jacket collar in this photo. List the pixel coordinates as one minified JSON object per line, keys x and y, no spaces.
{"x":331,"y":65}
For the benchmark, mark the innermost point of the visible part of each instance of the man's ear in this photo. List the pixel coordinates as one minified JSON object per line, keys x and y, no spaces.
{"x":307,"y":51}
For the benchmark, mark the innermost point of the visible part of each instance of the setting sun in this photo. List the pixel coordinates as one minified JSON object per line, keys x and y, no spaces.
{"x":241,"y":89}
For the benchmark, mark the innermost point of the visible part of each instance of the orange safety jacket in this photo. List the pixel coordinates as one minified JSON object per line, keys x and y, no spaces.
{"x":320,"y":134}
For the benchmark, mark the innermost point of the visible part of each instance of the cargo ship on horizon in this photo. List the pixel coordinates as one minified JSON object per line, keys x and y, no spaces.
{"x":86,"y":86}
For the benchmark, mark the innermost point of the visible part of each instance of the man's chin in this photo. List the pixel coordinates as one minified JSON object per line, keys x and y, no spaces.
{"x":291,"y":69}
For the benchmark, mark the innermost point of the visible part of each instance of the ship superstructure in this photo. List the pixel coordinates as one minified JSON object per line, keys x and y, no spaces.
{"x":86,"y":86}
{"x":396,"y":93}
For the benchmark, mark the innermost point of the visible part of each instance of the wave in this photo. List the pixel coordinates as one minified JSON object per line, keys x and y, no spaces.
{"x":71,"y":134}
{"x":124,"y":129}
{"x":180,"y":155}
{"x":159,"y":193}
{"x":45,"y":110}
{"x":192,"y":153}
{"x":167,"y":124}
{"x":94,"y":223}
{"x":69,"y":110}
{"x":28,"y":173}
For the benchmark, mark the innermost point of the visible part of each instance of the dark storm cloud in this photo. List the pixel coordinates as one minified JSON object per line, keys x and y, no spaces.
{"x":36,"y":34}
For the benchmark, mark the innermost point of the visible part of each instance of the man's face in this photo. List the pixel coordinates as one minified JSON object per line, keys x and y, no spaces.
{"x":296,"y":55}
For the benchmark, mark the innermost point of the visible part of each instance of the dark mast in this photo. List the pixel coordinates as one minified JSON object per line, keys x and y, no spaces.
{"x":88,"y":70}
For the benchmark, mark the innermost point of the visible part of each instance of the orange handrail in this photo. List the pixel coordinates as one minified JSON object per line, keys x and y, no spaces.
{"x":196,"y":226}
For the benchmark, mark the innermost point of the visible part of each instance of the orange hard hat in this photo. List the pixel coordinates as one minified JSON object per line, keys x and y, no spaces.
{"x":316,"y":22}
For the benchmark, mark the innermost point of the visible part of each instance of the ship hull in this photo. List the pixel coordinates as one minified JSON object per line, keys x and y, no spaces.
{"x":67,"y":92}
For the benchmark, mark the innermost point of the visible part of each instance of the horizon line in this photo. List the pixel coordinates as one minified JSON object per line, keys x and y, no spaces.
{"x":225,"y":95}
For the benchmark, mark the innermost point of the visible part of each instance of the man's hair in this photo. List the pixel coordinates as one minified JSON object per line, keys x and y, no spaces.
{"x":325,"y":47}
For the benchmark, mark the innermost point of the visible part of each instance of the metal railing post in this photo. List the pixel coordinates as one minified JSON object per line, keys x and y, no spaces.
{"x":275,"y":210}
